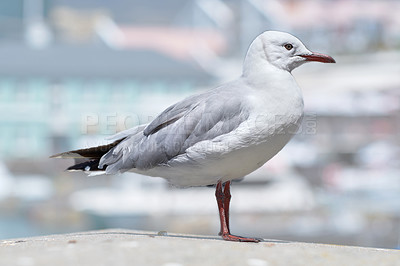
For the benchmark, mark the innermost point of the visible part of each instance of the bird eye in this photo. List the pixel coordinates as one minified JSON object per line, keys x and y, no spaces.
{"x":288,"y":46}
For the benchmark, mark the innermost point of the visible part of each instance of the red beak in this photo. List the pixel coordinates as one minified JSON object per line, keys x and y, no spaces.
{"x":319,"y":58}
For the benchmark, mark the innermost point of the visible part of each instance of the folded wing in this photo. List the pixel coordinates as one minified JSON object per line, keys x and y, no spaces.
{"x":195,"y":119}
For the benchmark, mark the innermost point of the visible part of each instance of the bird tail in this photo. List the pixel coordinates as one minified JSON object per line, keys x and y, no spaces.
{"x":87,"y":159}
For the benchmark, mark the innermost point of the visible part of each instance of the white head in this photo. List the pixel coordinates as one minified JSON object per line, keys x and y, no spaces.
{"x":282,"y":50}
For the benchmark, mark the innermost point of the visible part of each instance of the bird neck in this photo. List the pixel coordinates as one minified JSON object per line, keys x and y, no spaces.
{"x":260,"y":72}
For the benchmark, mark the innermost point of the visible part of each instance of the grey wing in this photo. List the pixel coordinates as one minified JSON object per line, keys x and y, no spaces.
{"x":172,"y":114}
{"x":197,"y":118}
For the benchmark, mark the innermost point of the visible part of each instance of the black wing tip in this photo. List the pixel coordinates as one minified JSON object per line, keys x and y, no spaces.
{"x":88,"y":166}
{"x":89,"y":153}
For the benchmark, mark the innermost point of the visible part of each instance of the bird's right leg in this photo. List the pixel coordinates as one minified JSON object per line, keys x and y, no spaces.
{"x":223,"y":200}
{"x":219,"y":195}
{"x":227,"y":201}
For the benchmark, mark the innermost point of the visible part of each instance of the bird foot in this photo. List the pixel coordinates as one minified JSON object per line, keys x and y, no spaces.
{"x":230,"y":237}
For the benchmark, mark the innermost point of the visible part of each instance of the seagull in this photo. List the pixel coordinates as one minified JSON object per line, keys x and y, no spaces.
{"x":219,"y":135}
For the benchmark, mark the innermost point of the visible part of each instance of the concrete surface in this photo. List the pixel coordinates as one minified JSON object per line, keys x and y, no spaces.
{"x":126,"y":247}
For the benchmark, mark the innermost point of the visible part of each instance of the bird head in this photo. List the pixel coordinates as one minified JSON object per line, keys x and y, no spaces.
{"x":283,"y":50}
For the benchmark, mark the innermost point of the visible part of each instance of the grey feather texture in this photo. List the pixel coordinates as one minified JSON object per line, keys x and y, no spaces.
{"x":196,"y":118}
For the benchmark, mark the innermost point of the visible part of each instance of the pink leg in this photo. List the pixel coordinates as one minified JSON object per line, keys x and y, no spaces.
{"x":227,"y":200}
{"x":220,"y":202}
{"x":223,"y":201}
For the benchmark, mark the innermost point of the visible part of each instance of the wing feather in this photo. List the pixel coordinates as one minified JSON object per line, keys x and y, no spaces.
{"x":195,"y":119}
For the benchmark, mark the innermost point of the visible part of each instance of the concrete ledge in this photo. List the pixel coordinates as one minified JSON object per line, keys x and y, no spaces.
{"x":127,"y":247}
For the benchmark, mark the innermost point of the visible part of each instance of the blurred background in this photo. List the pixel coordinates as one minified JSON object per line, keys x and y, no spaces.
{"x":75,"y":72}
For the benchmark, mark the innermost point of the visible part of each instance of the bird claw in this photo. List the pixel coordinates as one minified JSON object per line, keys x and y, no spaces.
{"x":230,"y":237}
